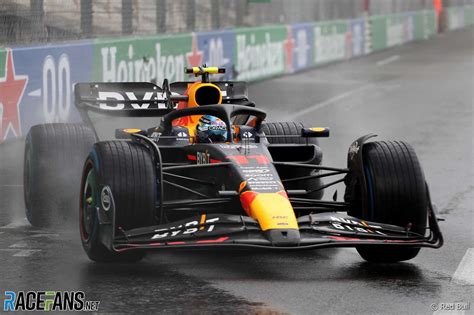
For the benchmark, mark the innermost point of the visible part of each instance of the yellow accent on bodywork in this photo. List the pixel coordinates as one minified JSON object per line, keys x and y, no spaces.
{"x":202,"y":221}
{"x":273,"y":211}
{"x":193,"y":89}
{"x":131,"y":130}
{"x":201,"y":70}
{"x":317,"y":129}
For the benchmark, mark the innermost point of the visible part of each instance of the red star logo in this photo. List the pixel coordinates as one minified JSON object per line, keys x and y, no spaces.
{"x":195,"y":56}
{"x":289,"y":43}
{"x":11,"y":92}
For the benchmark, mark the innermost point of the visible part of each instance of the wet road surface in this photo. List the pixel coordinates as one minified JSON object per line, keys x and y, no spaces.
{"x":421,"y":93}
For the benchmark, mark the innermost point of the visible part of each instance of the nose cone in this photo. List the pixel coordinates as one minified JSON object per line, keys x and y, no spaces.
{"x":276,"y":216}
{"x":290,"y":237}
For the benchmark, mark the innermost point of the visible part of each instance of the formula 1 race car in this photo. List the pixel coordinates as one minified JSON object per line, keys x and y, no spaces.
{"x":257,"y":185}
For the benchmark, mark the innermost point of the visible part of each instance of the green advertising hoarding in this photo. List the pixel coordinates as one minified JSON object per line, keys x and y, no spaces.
{"x":143,"y":59}
{"x":261,"y":52}
{"x":331,"y":41}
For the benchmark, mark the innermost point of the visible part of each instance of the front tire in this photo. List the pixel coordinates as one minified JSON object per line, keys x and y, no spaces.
{"x":128,"y":170}
{"x":397,"y":195}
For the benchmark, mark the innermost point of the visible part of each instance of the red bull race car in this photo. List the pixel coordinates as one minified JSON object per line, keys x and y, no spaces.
{"x":214,"y":173}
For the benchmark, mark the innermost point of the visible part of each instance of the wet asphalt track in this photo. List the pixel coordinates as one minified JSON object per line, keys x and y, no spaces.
{"x":421,"y":93}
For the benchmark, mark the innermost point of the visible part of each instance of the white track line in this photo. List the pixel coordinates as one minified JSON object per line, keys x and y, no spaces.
{"x":388,"y":60}
{"x":26,"y":252}
{"x":50,"y":235}
{"x":15,"y":224}
{"x":465,"y":271}
{"x":330,"y":101}
{"x":20,"y":252}
{"x":18,"y":245}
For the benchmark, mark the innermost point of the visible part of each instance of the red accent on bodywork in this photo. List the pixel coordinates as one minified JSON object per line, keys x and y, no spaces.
{"x":176,"y":243}
{"x":401,"y":241}
{"x":240,"y":159}
{"x":261,"y":159}
{"x":246,"y":199}
{"x":283,"y":193}
{"x":342,"y":238}
{"x":219,"y":240}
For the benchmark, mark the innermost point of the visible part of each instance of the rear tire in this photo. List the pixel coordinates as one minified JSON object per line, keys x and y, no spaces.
{"x":396,"y":195}
{"x":54,"y":155}
{"x":286,"y":129}
{"x":127,"y":168}
{"x":294,"y":128}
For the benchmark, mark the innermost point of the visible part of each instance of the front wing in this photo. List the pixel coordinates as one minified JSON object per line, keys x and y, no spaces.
{"x":316,"y":230}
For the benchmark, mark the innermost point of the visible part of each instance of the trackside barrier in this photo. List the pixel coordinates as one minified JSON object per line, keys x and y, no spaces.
{"x":36,"y":82}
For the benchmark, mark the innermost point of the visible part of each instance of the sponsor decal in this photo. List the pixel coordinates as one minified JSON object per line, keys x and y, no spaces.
{"x":260,"y":178}
{"x":187,"y":228}
{"x":153,"y":97}
{"x":106,"y":198}
{"x":12,"y":87}
{"x":353,"y":150}
{"x":247,"y":135}
{"x":155,"y":135}
{"x":182,"y":136}
{"x":237,"y":146}
{"x":354,"y":226}
{"x":58,"y":301}
{"x":203,"y":158}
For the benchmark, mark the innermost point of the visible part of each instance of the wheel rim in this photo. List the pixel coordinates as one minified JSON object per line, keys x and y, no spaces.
{"x":89,"y":202}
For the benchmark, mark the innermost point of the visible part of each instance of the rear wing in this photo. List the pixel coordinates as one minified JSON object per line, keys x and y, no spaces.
{"x":130,"y":99}
{"x":145,"y":99}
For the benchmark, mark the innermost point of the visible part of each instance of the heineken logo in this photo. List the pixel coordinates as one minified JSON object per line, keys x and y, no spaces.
{"x":259,"y":59}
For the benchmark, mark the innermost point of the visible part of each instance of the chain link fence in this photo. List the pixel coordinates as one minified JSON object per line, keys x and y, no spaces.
{"x":31,"y":21}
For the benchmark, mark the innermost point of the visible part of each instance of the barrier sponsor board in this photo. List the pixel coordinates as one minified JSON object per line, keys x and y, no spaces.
{"x":331,"y":41}
{"x":145,"y":59}
{"x":261,"y":52}
{"x":357,"y":37}
{"x":36,"y":85}
{"x":36,"y":82}
{"x":459,"y":17}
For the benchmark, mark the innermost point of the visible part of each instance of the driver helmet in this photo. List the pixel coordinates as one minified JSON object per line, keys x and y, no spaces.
{"x":211,"y":129}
